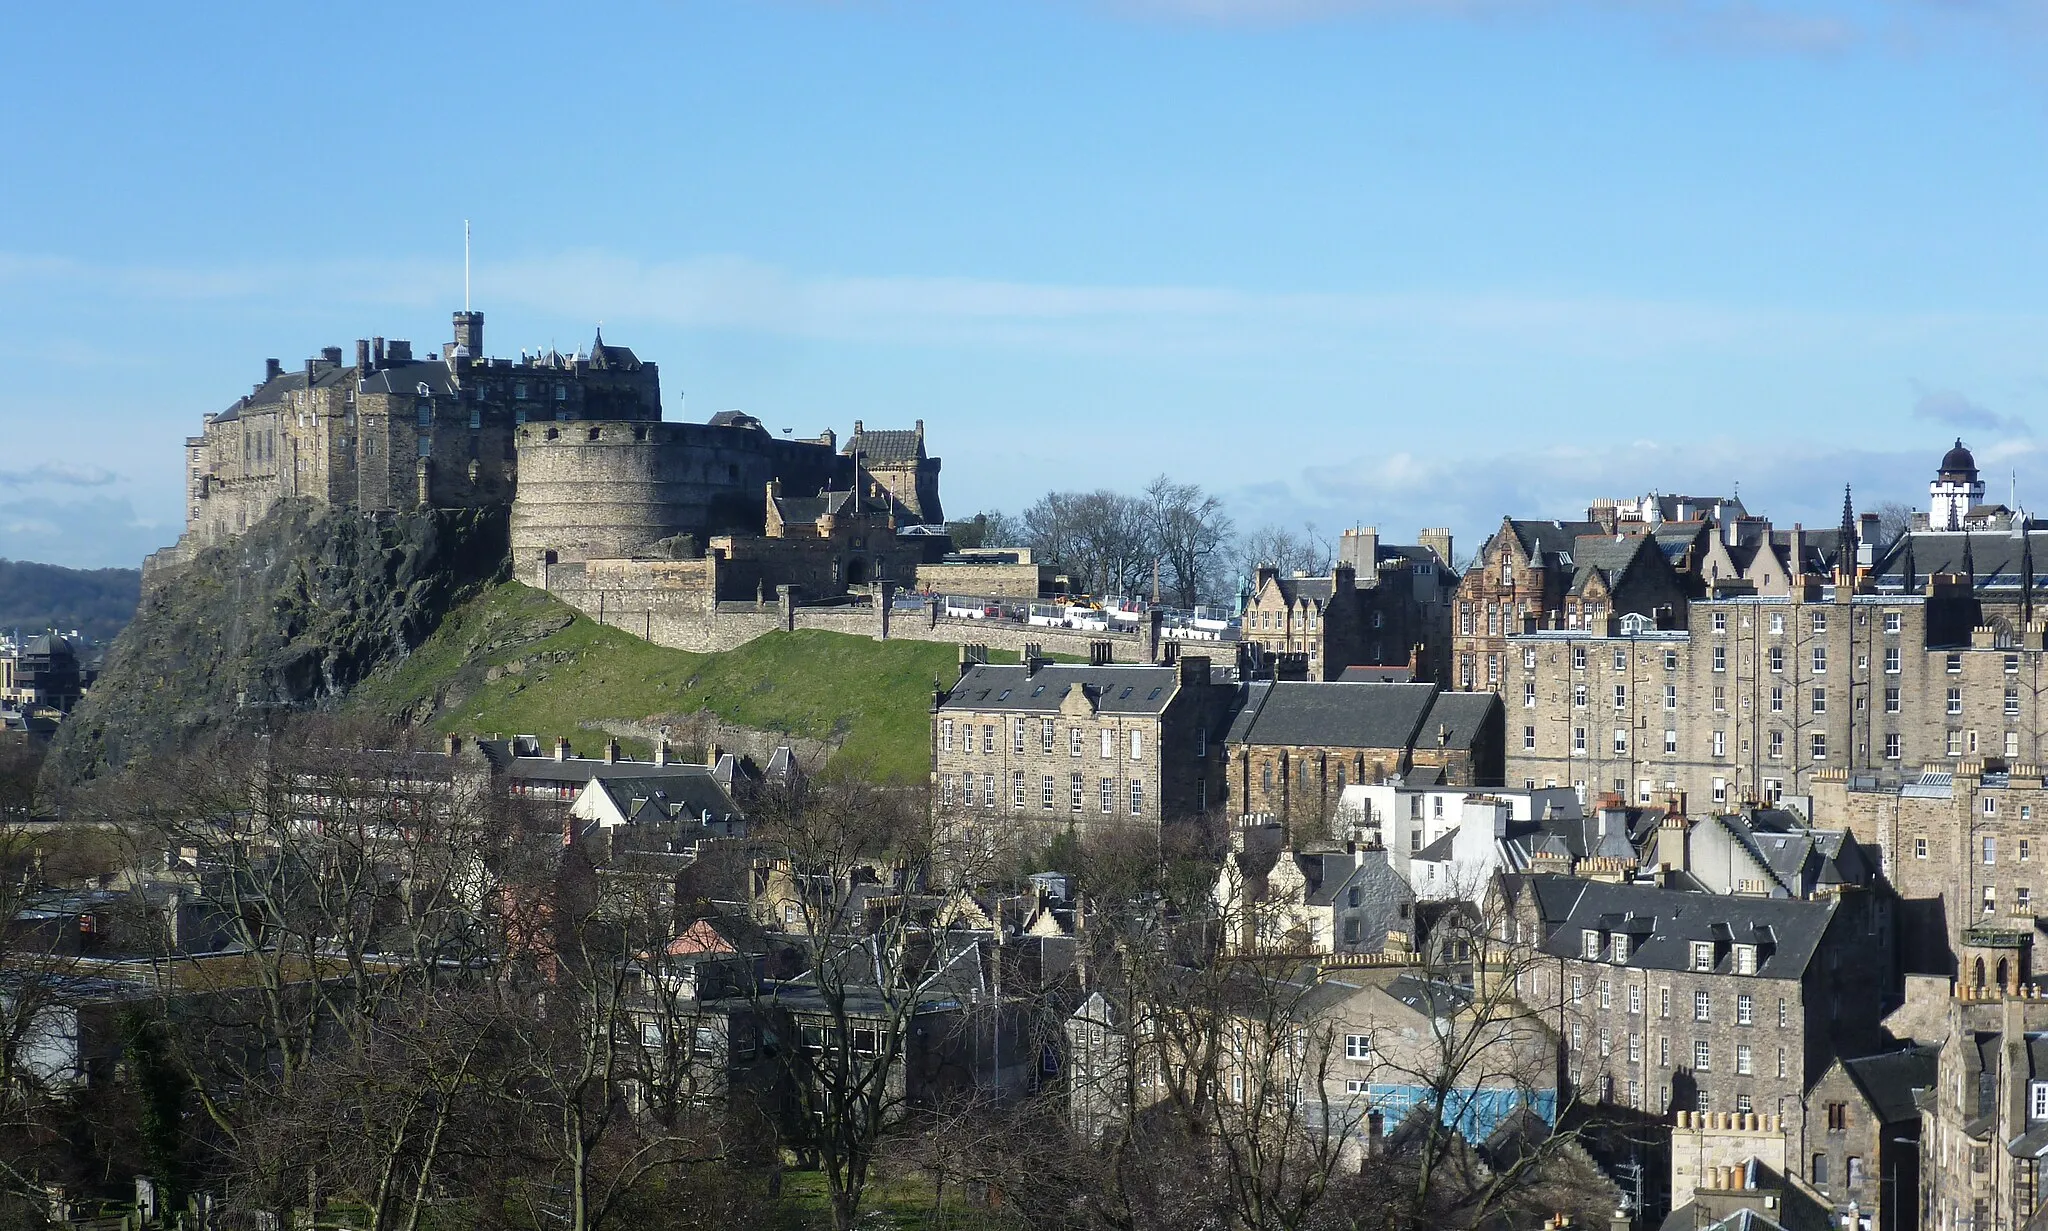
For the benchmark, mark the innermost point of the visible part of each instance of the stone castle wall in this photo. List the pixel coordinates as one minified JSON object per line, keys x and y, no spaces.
{"x":594,"y":491}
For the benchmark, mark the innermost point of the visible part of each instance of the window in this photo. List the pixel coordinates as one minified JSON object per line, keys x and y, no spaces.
{"x":1620,"y":946}
{"x":1954,"y":664}
{"x":1720,"y":657}
{"x":1838,"y":1117}
{"x":1990,"y":805}
{"x":1820,"y":660}
{"x":1820,"y":746}
{"x":1720,"y":698}
{"x":1703,"y":1006}
{"x":1620,"y":741}
{"x":1108,"y":744}
{"x":1045,"y":792}
{"x":1621,"y":696}
{"x":1990,"y":899}
{"x":1528,"y":739}
{"x":1635,"y":998}
{"x":1670,"y":742}
{"x":1529,"y":659}
{"x":2012,"y":743}
{"x":1702,"y":1055}
{"x":1720,"y":621}
{"x":1720,"y":790}
{"x":1745,"y":964}
{"x":1990,"y":846}
{"x":1820,"y":700}
{"x":1670,"y":696}
{"x":1777,"y":658}
{"x":1744,"y":1065}
{"x":1529,"y":695}
{"x":1621,"y":660}
{"x":1578,"y":989}
{"x":1891,"y":700}
{"x":1606,"y":994}
{"x":1664,"y":1002}
{"x":1017,"y":735}
{"x":945,"y":735}
{"x":2012,"y":664}
{"x":946,"y":791}
{"x":1955,"y":700}
{"x":1108,"y":795}
{"x":2026,"y":847}
{"x":1891,"y":660}
{"x":1357,"y":1047}
{"x":2012,"y":701}
{"x":1777,"y":698}
{"x":1818,"y":1173}
{"x":1777,"y":743}
{"x":1891,"y":621}
{"x":988,"y":738}
{"x":1955,"y":743}
{"x":1579,"y":741}
{"x":1703,"y":955}
{"x":1664,"y":1050}
{"x":2037,"y":1100}
{"x":1589,"y":944}
{"x":1137,"y":745}
{"x":1820,"y":621}
{"x":1671,"y":660}
{"x":1745,"y":1009}
{"x":2022,"y":900}
{"x":1017,"y":789}
{"x":988,"y":790}
{"x":1635,"y":1049}
{"x":1579,"y":696}
{"x":1781,"y":1064}
{"x":1784,"y":1015}
{"x":1720,"y":743}
{"x":1137,"y":799}
{"x":1777,"y":622}
{"x":1578,"y":658}
{"x":1074,"y":792}
{"x":1073,"y":741}
{"x":1891,"y":746}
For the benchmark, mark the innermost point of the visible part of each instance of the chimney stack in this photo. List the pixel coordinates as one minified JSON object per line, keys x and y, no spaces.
{"x":661,"y":752}
{"x":454,"y":745}
{"x":272,"y":369}
{"x":362,"y":358}
{"x":377,"y":351}
{"x":561,"y":750}
{"x":611,"y":752}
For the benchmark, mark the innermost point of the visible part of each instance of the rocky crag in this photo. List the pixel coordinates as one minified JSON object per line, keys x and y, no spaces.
{"x":288,"y":616}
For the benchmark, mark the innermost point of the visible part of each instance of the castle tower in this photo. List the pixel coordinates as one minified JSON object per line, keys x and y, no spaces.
{"x":469,"y":334}
{"x":1955,"y":491}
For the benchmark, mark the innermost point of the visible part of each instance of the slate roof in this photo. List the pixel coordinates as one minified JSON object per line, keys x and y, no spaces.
{"x":735,"y":418}
{"x":1336,"y":714}
{"x":1551,"y":539}
{"x":1663,"y":924}
{"x":272,"y":392}
{"x":1295,"y":590}
{"x":1995,"y":555}
{"x":1378,"y":675}
{"x":1889,"y":1080}
{"x":607,"y":356}
{"x":887,"y":447}
{"x":1115,"y":689}
{"x":408,"y":377}
{"x":803,"y":509}
{"x":660,"y":797}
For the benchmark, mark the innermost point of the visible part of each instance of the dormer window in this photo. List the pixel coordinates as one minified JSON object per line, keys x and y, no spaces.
{"x":1620,"y":947}
{"x":1702,"y":955}
{"x":1590,"y":944}
{"x":1745,"y":959}
{"x":2037,"y":1100}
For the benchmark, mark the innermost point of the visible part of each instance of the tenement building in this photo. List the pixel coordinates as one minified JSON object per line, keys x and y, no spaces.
{"x":1380,"y":604}
{"x":1668,"y":1000}
{"x":1554,"y":575}
{"x":1041,"y":747}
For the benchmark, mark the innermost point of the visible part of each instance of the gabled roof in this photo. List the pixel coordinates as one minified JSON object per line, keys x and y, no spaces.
{"x":1552,"y":539}
{"x":1607,"y":557}
{"x":1995,"y":557}
{"x":1889,"y":1080}
{"x":1335,"y":714}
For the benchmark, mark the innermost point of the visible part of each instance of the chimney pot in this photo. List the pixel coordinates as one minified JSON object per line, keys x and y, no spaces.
{"x":561,"y":750}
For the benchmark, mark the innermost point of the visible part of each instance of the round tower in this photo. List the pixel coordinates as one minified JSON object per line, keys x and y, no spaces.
{"x":1955,"y":491}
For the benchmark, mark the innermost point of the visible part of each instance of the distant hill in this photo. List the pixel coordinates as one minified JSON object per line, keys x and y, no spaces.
{"x":97,"y":602}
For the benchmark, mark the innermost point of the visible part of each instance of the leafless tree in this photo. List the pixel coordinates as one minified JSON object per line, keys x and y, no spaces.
{"x":1191,"y":531}
{"x":1893,"y":520}
{"x":1291,"y":551}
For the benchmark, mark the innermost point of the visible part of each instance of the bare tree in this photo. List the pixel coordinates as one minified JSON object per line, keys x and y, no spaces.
{"x":1893,"y":520}
{"x":1291,"y":551}
{"x":1105,"y":541}
{"x":1191,"y":531}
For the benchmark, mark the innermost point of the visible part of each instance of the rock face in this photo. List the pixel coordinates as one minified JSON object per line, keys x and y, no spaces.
{"x":291,"y":614}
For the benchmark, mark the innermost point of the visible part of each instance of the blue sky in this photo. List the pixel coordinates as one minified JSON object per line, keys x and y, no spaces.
{"x":1393,"y":262}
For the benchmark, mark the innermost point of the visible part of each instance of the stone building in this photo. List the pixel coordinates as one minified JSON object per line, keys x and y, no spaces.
{"x":395,"y":431}
{"x":1554,"y":575}
{"x":1963,"y":846}
{"x":1752,"y":697}
{"x":1273,"y":898}
{"x":1670,"y":1000}
{"x":1295,"y":746}
{"x":1984,"y":1127}
{"x":1863,"y":1143}
{"x":1381,"y":604}
{"x":1042,"y":747}
{"x":46,"y":670}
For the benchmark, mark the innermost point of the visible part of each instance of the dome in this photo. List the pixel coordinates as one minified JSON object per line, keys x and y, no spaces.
{"x":1959,"y":461}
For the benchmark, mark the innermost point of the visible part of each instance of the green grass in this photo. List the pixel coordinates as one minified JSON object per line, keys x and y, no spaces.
{"x":871,"y":697}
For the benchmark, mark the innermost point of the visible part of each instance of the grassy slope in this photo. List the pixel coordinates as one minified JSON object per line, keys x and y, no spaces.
{"x":876,"y":695}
